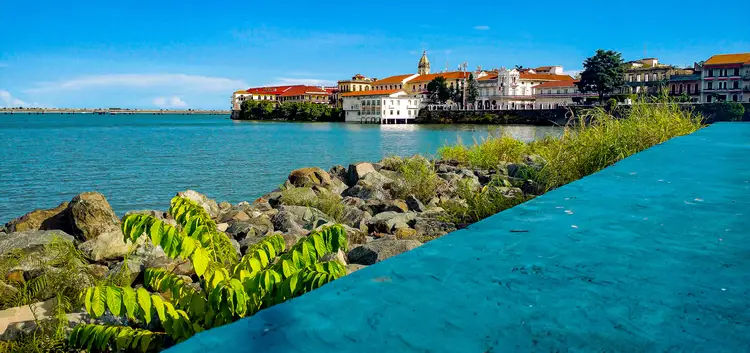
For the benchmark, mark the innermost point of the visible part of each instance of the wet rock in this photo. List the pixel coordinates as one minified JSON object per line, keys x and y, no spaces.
{"x":414,"y":204}
{"x":358,"y":171}
{"x":91,"y":216}
{"x":309,"y":177}
{"x":208,"y":204}
{"x":54,"y":218}
{"x":379,"y":250}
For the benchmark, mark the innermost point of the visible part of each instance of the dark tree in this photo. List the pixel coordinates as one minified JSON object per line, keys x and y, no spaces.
{"x":438,"y":90}
{"x":602,"y":73}
{"x":471,"y":90}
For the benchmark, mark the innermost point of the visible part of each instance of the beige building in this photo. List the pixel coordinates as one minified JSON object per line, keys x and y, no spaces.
{"x":559,"y":93}
{"x":358,"y":83}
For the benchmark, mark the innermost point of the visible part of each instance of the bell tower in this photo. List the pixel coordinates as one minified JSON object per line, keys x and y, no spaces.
{"x":424,"y":64}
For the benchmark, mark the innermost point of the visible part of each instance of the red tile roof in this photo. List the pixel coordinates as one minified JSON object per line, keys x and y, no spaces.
{"x":556,"y":84}
{"x":302,"y":90}
{"x":723,"y":59}
{"x":454,"y":75}
{"x":381,"y":92}
{"x":545,"y":77}
{"x":276,"y":90}
{"x":488,"y":77}
{"x":392,"y":80}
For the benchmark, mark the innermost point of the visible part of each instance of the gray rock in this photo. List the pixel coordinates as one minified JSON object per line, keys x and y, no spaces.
{"x":208,"y":204}
{"x":433,"y":228}
{"x":249,"y":241}
{"x":337,"y":186}
{"x":252,"y":227}
{"x":379,"y":250}
{"x":386,"y":222}
{"x":286,"y":221}
{"x":306,"y":217}
{"x":31,"y":241}
{"x":337,"y":256}
{"x":379,"y":206}
{"x":339,"y":172}
{"x":106,"y":246}
{"x":532,"y":187}
{"x":366,"y":190}
{"x":234,"y":216}
{"x":91,"y":215}
{"x":51,"y":219}
{"x":414,"y":204}
{"x":354,"y":217}
{"x":357,"y":171}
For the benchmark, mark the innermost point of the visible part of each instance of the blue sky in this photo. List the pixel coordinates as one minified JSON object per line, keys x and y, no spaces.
{"x":193,"y":54}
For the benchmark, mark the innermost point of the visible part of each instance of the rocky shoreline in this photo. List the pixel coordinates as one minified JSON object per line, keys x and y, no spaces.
{"x":386,"y":209}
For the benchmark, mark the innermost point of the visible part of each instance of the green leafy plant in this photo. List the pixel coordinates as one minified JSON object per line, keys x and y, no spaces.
{"x":418,"y":178}
{"x":170,"y":309}
{"x":475,"y":204}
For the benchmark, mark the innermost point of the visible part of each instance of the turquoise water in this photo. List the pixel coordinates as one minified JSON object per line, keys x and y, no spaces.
{"x":141,"y":161}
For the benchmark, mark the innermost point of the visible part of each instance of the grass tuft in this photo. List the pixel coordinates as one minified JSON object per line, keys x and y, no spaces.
{"x":419,"y":179}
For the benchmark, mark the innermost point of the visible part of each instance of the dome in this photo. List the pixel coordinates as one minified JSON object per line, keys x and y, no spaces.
{"x":424,"y":64}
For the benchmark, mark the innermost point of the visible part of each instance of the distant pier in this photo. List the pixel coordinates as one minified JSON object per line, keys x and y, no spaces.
{"x":112,"y":111}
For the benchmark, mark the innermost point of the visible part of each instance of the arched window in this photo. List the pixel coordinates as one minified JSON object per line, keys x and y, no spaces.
{"x":734,"y":98}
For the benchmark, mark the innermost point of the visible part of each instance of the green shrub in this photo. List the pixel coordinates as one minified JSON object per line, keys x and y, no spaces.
{"x":723,"y":111}
{"x":325,"y":201}
{"x":487,"y":153}
{"x":229,"y":288}
{"x":478,"y":203}
{"x":418,"y":178}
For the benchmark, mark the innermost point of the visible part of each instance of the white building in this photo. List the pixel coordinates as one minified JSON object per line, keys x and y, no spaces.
{"x":380,"y":107}
{"x":513,"y":88}
{"x":559,"y":93}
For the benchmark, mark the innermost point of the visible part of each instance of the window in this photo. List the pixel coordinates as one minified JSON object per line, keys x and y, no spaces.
{"x":630,"y":78}
{"x":566,"y":90}
{"x":558,"y":91}
{"x":391,"y":112}
{"x":710,"y":72}
{"x":709,"y":98}
{"x":736,"y":72}
{"x":710,"y":85}
{"x":734,"y":98}
{"x":736,"y":85}
{"x":645,"y":77}
{"x":680,"y":89}
{"x":696,"y":88}
{"x":638,"y":78}
{"x":674,"y":90}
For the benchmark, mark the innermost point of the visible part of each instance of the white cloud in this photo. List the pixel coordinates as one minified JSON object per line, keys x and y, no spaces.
{"x":283,"y":81}
{"x":481,"y":28}
{"x":8,"y":101}
{"x":193,"y":83}
{"x":169,"y":102}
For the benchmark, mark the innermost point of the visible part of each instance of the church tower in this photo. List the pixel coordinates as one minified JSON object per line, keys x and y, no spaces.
{"x":424,"y":65}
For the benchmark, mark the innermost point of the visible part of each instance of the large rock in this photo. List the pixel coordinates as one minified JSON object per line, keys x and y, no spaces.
{"x":309,"y":177}
{"x":208,"y":204}
{"x":387,"y":222}
{"x":286,"y":221}
{"x":353,"y":216}
{"x":433,"y":228}
{"x":375,"y":206}
{"x":54,"y":218}
{"x":379,"y":250}
{"x":338,"y":172}
{"x":31,"y":241}
{"x":414,"y":204}
{"x":367,"y":190}
{"x":257,"y":226}
{"x":357,"y":171}
{"x":106,"y":246}
{"x":306,"y":217}
{"x":91,"y":216}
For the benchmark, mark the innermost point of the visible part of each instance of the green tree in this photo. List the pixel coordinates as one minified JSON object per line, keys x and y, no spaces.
{"x":438,"y":90}
{"x":472,"y":92}
{"x":602,"y":73}
{"x":167,"y":310}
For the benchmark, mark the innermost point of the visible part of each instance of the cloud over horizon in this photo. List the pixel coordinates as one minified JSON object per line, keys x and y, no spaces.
{"x":184,"y":82}
{"x":8,"y":101}
{"x":169,"y":102}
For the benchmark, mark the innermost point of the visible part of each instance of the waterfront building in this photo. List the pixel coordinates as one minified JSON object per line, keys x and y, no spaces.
{"x":552,"y":94}
{"x":726,"y":77}
{"x":418,"y":85}
{"x":553,"y":70}
{"x":687,"y":82}
{"x":380,"y":107}
{"x":647,"y":76}
{"x":277,"y":94}
{"x":357,"y":83}
{"x":514,"y":88}
{"x":393,"y":82}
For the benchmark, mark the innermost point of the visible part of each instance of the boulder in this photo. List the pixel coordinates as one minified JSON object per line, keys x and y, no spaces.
{"x":354,"y":217}
{"x":286,"y":221}
{"x":252,"y":227}
{"x":337,"y":186}
{"x":54,"y":218}
{"x":357,"y":171}
{"x":309,"y":177}
{"x":433,"y":228}
{"x":367,"y":190}
{"x":376,"y":206}
{"x":234,"y":216}
{"x":306,"y":217}
{"x":208,"y":204}
{"x":414,"y":204}
{"x":339,"y":256}
{"x":388,"y":221}
{"x":90,"y":216}
{"x":31,"y":241}
{"x":338,"y":172}
{"x":405,"y":233}
{"x":107,"y":246}
{"x":532,"y":187}
{"x":298,"y":196}
{"x":379,"y":250}
{"x":153,"y":213}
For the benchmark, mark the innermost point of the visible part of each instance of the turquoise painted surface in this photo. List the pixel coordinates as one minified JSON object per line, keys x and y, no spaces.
{"x":650,"y":255}
{"x":141,"y":161}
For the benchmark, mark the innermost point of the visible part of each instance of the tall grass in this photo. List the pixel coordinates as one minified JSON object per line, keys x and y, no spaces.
{"x":475,"y":204}
{"x":595,"y":140}
{"x":419,"y":179}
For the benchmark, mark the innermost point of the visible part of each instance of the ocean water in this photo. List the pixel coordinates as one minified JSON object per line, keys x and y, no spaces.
{"x":141,"y":161}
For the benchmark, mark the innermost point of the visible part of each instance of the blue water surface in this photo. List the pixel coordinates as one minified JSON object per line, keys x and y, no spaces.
{"x":141,"y":161}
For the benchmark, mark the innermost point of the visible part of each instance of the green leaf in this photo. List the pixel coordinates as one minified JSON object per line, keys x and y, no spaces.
{"x":156,"y":232}
{"x":124,"y":337}
{"x":159,"y":306}
{"x":146,"y":341}
{"x":144,"y":300}
{"x":114,"y":300}
{"x":130,"y":302}
{"x":88,"y":298}
{"x":98,"y":300}
{"x":200,"y":261}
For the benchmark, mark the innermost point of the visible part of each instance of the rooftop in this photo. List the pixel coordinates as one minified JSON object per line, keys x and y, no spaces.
{"x":301,"y":90}
{"x":551,"y":84}
{"x":382,"y":92}
{"x":723,"y":59}
{"x":451,"y":75}
{"x":545,"y":77}
{"x":392,"y":79}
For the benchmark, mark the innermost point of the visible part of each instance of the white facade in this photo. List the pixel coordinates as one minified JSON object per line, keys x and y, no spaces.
{"x":380,"y":108}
